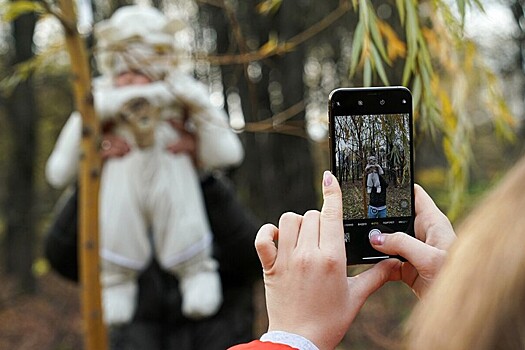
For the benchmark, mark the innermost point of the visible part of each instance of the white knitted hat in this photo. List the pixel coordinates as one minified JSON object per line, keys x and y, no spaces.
{"x":137,"y":38}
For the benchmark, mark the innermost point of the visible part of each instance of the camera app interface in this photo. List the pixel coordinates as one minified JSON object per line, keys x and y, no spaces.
{"x":373,"y":166}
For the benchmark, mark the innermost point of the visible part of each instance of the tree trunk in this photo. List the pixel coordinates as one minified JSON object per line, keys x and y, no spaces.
{"x":292,"y":173}
{"x":21,"y":114}
{"x":95,"y":337}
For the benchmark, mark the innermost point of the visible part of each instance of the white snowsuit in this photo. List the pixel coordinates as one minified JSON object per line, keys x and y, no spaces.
{"x":152,"y":190}
{"x":372,"y":179}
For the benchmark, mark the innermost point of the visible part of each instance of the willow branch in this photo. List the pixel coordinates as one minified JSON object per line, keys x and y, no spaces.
{"x":278,"y":123}
{"x":284,"y":129}
{"x":281,"y":48}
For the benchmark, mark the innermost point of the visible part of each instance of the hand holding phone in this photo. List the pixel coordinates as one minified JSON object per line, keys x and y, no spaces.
{"x":372,"y":157}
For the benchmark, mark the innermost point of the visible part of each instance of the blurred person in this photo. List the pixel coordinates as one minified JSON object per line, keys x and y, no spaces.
{"x":478,"y":301}
{"x":145,"y":100}
{"x":151,"y":195}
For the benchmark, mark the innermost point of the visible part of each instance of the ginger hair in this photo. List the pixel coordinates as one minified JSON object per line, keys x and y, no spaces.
{"x":478,"y":300}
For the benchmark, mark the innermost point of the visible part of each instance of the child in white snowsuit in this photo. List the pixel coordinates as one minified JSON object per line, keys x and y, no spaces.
{"x":372,"y":179}
{"x":150,"y":189}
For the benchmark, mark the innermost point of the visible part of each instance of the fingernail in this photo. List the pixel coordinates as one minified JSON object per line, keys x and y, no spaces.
{"x":377,"y":239}
{"x":327,"y":178}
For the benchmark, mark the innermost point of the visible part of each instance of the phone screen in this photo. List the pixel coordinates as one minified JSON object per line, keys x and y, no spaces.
{"x":372,"y":158}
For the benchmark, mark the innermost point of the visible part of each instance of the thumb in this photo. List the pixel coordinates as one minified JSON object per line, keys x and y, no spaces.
{"x":265,"y":245}
{"x":366,"y":283}
{"x":415,"y":251}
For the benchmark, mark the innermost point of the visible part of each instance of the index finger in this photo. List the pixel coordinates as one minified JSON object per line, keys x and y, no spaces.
{"x":424,"y":202}
{"x":331,"y":220}
{"x":431,"y":225}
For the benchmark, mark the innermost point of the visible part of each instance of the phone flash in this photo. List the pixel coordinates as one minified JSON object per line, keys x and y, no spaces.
{"x":360,"y":103}
{"x":404,"y":101}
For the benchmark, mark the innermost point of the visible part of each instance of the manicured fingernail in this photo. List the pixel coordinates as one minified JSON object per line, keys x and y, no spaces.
{"x":327,"y":178}
{"x":377,"y":239}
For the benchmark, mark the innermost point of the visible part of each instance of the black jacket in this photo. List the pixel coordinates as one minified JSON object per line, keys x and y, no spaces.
{"x":379,"y":199}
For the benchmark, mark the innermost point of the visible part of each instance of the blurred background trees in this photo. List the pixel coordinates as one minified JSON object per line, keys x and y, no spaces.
{"x":272,"y":64}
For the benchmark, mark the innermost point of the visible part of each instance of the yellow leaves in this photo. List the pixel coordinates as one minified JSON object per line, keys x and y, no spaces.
{"x":466,"y":88}
{"x":439,"y":45}
{"x":457,"y":150}
{"x":504,"y":121}
{"x":21,"y":73}
{"x":270,"y":46}
{"x":447,"y":112}
{"x":268,"y":7}
{"x":48,"y":61}
{"x":18,"y":8}
{"x":395,"y":47}
{"x":471,"y":54}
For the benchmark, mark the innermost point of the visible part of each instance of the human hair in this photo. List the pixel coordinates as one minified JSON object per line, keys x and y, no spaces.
{"x":478,"y":300}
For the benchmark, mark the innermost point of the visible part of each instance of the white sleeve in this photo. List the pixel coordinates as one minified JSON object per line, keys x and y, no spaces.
{"x":293,"y":340}
{"x":218,"y":146}
{"x":62,"y":165}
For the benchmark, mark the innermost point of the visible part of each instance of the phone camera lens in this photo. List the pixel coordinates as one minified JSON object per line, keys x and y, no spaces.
{"x":382,"y":102}
{"x":360,"y":103}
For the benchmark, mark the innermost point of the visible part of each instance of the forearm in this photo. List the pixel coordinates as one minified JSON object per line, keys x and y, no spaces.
{"x":62,"y":165}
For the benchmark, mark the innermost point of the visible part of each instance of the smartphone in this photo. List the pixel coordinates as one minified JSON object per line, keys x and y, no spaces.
{"x":372,"y":156}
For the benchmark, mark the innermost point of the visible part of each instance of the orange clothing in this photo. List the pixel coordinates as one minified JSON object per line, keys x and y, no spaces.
{"x":260,"y":345}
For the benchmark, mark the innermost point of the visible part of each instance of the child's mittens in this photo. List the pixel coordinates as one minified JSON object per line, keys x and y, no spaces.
{"x":201,"y":294}
{"x":119,"y":302}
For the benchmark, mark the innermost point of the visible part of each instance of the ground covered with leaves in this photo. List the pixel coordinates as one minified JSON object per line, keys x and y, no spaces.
{"x":48,"y":319}
{"x":355,"y":200}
